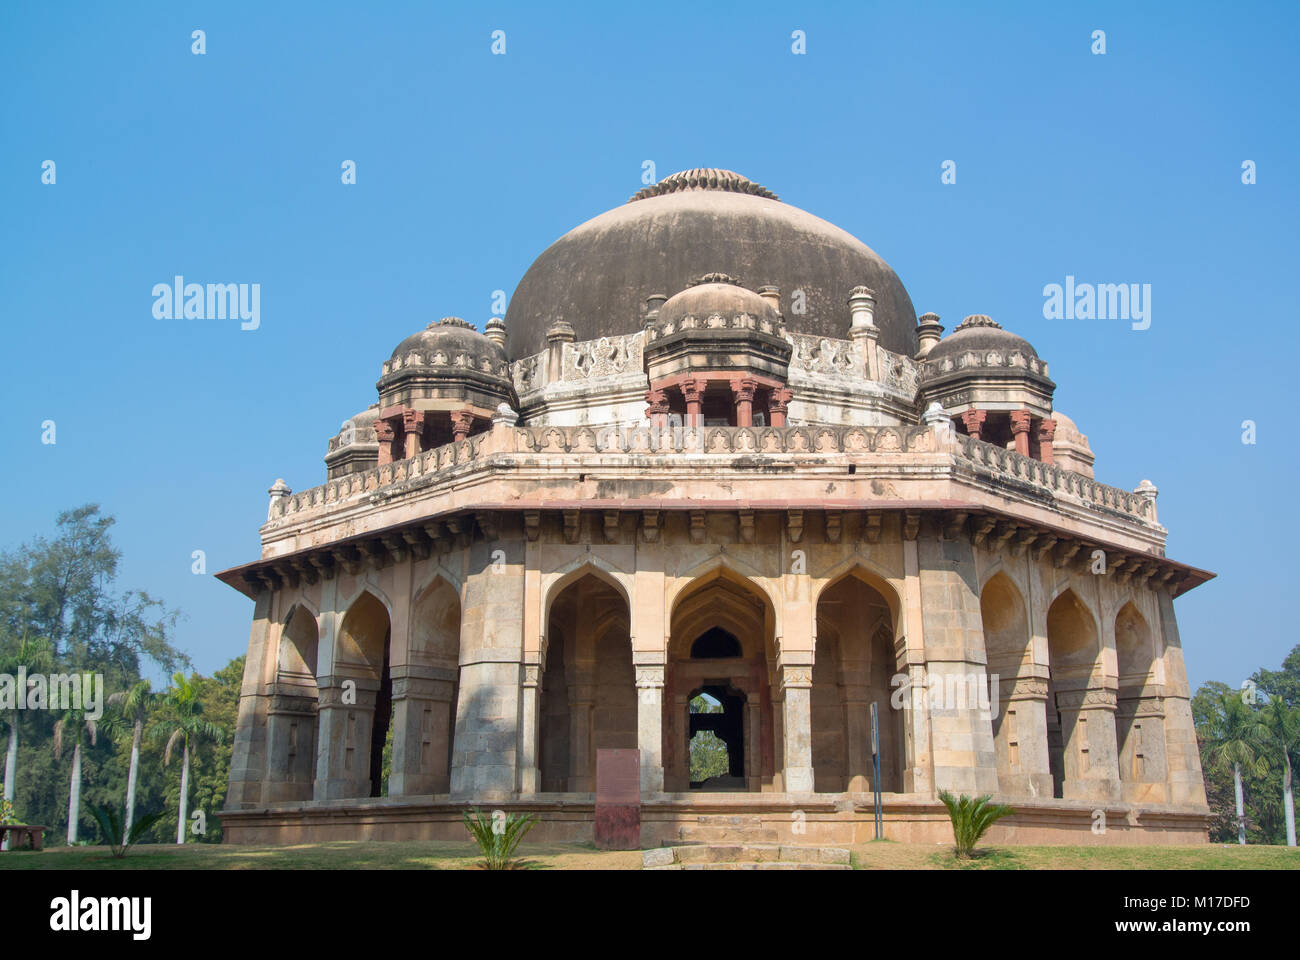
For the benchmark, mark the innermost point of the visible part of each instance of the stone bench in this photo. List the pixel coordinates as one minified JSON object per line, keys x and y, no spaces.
{"x":34,"y":835}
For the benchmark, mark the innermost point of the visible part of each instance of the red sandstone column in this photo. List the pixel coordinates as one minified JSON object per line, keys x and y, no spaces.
{"x":1020,"y":423}
{"x":779,"y":405}
{"x":1046,"y":431}
{"x":974,"y":420}
{"x":461,"y":422}
{"x":412,"y":427}
{"x":693,"y":391}
{"x":743,"y":391}
{"x":657,"y":407}
{"x":384,"y":431}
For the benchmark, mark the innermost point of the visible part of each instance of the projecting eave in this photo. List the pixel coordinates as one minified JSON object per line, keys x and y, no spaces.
{"x":391,"y":544}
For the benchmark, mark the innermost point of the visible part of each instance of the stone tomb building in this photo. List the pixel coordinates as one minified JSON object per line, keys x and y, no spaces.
{"x":711,"y":449}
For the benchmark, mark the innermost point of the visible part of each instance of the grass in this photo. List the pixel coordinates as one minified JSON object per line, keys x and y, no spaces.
{"x":886,"y":855}
{"x":442,"y":855}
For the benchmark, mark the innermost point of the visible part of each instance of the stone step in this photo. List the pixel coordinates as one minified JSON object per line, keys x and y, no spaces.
{"x":750,"y":865}
{"x":745,"y":856}
{"x":723,"y":828}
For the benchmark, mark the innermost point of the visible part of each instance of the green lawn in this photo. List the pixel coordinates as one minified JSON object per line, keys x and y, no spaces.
{"x":434,"y":855}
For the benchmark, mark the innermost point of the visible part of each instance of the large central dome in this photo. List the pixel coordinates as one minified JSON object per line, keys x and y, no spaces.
{"x":598,"y":275}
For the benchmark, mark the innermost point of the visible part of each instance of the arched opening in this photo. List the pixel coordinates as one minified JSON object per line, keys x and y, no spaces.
{"x":363,"y":657}
{"x":1017,"y":722}
{"x":589,"y":698}
{"x":853,"y":666}
{"x":292,"y":721}
{"x":424,"y":718}
{"x":717,"y":738}
{"x":721,"y":646}
{"x":1072,"y":655}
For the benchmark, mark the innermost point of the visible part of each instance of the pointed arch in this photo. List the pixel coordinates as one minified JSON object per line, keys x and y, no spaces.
{"x":563,"y":577}
{"x":873,"y":575}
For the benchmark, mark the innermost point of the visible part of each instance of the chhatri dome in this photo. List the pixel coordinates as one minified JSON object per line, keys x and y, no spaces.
{"x":597,"y":276}
{"x":711,"y":451}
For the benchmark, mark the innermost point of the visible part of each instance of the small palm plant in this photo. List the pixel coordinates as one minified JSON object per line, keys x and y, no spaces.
{"x":498,"y":836}
{"x":971,"y":819}
{"x":118,"y":836}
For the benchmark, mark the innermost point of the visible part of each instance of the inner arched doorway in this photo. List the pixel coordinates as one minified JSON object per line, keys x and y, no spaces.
{"x":364,"y":649}
{"x":853,"y":667}
{"x":720,"y":646}
{"x":588,"y":698}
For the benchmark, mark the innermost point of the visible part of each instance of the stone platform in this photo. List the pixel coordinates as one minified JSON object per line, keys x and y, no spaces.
{"x":746,"y":856}
{"x":722,"y":818}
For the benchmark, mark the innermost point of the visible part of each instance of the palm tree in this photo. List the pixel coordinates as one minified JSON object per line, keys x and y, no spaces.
{"x":187,"y":728}
{"x":134,"y":706}
{"x":78,"y":722}
{"x":1282,"y":725}
{"x":1234,"y":734}
{"x":32,"y":654}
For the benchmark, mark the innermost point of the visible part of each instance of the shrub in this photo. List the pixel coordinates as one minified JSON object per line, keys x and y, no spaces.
{"x":498,"y":836}
{"x":971,"y":819}
{"x":111,"y":823}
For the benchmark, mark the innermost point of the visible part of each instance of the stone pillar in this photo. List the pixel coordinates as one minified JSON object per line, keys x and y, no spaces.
{"x":412,"y":428}
{"x":346,"y":714}
{"x":1020,"y":424}
{"x":1021,"y":741}
{"x":384,"y":431}
{"x":1046,"y":431}
{"x":961,"y":724}
{"x":649,"y":726}
{"x":856,"y":700}
{"x":557,"y":335}
{"x":796,"y":691}
{"x":657,"y":407}
{"x":974,"y":421}
{"x":485,"y":751}
{"x":743,"y":391}
{"x":422,"y":725}
{"x":248,"y":756}
{"x":1140,"y":730}
{"x":462,"y":421}
{"x":863,"y":329}
{"x":290,"y":748}
{"x":1183,"y":758}
{"x":530,"y":729}
{"x":1091,"y":759}
{"x":772,"y":294}
{"x":495,"y":330}
{"x":928,"y":333}
{"x":693,"y":392}
{"x":582,"y":752}
{"x":779,"y":405}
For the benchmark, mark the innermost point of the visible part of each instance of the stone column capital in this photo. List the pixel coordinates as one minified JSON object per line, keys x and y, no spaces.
{"x":1020,"y":421}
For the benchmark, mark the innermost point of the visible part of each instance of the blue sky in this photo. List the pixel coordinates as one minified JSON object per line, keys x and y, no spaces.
{"x":225,"y":167}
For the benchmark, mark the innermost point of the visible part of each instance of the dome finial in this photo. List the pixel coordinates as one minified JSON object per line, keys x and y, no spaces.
{"x":704,"y":178}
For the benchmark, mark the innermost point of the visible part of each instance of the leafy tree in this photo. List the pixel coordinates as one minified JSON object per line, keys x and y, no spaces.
{"x":188,"y":728}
